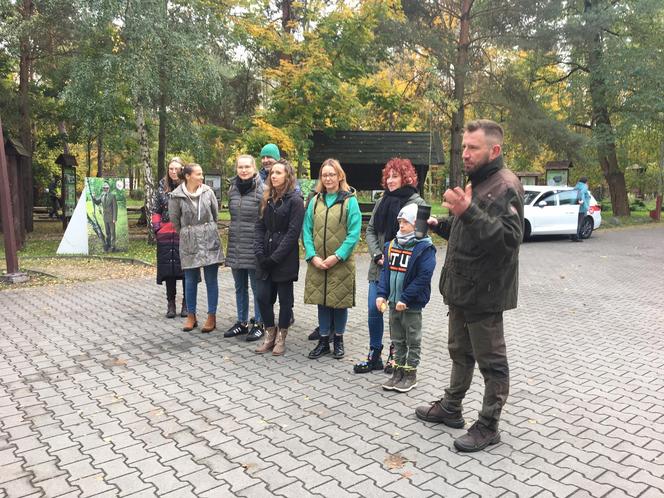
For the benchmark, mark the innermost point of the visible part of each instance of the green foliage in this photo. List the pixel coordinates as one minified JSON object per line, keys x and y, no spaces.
{"x":233,"y":76}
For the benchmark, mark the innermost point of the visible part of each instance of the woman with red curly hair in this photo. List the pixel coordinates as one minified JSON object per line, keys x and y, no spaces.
{"x":399,"y":179}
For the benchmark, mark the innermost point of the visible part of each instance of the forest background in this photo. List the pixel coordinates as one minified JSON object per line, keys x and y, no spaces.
{"x":125,"y":84}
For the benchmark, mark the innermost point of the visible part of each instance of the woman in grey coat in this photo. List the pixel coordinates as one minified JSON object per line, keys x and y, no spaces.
{"x":399,"y":179}
{"x":194,"y":210}
{"x":245,"y":196}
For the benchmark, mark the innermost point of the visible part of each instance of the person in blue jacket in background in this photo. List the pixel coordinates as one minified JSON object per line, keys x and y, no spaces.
{"x":583,"y":200}
{"x":405,"y":283}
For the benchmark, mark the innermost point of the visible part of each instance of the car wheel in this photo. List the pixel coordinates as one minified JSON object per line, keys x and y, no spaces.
{"x":587,"y":227}
{"x":526,"y":230}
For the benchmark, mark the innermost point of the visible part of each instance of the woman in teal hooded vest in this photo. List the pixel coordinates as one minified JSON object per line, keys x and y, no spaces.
{"x":332,"y":225}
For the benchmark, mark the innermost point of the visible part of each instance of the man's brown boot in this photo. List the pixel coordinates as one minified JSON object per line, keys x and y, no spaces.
{"x":190,"y":323}
{"x":280,"y":342}
{"x":210,"y":323}
{"x":268,"y":340}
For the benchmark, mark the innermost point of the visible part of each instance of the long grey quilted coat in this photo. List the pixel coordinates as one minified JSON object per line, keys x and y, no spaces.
{"x":200,"y":244}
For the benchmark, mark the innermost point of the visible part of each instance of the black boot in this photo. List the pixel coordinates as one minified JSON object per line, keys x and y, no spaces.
{"x":183,"y":309}
{"x":373,"y":362}
{"x":323,"y":347}
{"x":170,"y":309}
{"x":315,"y":335}
{"x":390,"y":363}
{"x":338,"y":346}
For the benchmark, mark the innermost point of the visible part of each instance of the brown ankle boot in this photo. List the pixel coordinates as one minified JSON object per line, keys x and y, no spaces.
{"x":280,"y":342}
{"x":190,"y":323}
{"x":210,"y":323}
{"x":268,"y":340}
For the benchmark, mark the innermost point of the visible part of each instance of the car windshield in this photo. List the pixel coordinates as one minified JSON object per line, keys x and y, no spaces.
{"x":529,"y":196}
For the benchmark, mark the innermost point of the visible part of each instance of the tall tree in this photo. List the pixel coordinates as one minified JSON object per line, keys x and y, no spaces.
{"x":609,"y":61}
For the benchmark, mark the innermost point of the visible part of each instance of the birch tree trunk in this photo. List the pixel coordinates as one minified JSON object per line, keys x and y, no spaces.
{"x":148,"y":179}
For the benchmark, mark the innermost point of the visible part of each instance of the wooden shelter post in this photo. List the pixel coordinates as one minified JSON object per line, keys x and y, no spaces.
{"x":11,"y":253}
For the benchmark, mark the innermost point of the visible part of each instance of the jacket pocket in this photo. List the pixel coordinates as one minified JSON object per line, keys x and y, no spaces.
{"x":188,"y":242}
{"x":458,"y":289}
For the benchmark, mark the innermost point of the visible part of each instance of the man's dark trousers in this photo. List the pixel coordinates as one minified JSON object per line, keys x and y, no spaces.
{"x":579,"y":224}
{"x":110,"y":234}
{"x":482,"y":341}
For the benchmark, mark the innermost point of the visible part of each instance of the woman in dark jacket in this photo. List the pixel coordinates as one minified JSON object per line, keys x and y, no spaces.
{"x":168,"y":242}
{"x":276,"y":244}
{"x":245,"y":196}
{"x":400,"y":184}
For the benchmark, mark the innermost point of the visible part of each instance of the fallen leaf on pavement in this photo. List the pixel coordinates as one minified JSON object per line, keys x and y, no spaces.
{"x":395,"y":461}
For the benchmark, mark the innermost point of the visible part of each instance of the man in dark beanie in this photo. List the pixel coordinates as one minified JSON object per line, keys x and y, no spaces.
{"x":479,"y":281}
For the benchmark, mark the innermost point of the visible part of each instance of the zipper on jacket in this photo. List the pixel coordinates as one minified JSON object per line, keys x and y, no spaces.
{"x":237,"y":239}
{"x":327,"y":211}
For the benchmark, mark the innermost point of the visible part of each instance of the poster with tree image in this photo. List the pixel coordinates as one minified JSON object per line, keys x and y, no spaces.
{"x":106,"y":209}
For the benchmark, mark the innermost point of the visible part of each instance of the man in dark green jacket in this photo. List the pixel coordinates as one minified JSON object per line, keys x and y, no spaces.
{"x":479,"y":281}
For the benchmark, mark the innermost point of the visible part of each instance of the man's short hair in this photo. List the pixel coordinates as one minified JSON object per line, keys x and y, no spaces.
{"x":491,"y":129}
{"x":583,"y":179}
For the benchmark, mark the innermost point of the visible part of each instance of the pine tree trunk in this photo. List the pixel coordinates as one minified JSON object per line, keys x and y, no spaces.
{"x":460,"y":72}
{"x":148,"y":180}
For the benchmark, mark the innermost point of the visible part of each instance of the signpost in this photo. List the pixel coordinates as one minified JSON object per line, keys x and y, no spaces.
{"x":11,"y":256}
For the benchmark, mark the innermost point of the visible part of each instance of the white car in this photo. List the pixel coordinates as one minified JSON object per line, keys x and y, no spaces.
{"x":554,"y":211}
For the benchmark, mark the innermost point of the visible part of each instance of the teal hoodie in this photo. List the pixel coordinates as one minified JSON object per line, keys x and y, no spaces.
{"x":583,"y":194}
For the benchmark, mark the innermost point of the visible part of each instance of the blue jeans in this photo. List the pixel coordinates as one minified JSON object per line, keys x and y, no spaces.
{"x":242,"y":294}
{"x":191,"y":287}
{"x":329,"y":318}
{"x":375,"y":317}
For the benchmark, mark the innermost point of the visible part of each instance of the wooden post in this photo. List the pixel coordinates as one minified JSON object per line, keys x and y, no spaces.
{"x":11,"y":256}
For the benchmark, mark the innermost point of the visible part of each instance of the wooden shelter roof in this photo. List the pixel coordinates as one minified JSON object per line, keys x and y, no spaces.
{"x":363,"y":154}
{"x":17,"y":146}
{"x":66,"y":160}
{"x":377,"y":147}
{"x":558,"y":165}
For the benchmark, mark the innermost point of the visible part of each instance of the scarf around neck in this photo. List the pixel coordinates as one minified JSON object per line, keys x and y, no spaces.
{"x":245,"y":186}
{"x":385,"y":219}
{"x":405,"y":238}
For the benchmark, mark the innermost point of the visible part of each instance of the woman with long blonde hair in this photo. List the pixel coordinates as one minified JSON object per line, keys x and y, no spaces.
{"x":276,"y":245}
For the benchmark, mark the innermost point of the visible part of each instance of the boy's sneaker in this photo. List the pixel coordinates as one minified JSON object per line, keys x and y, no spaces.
{"x":397,"y":373}
{"x":256,"y":332}
{"x":238,"y":329}
{"x":408,"y":380}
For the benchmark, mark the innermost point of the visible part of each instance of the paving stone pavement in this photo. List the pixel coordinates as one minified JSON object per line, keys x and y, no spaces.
{"x":102,"y":396}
